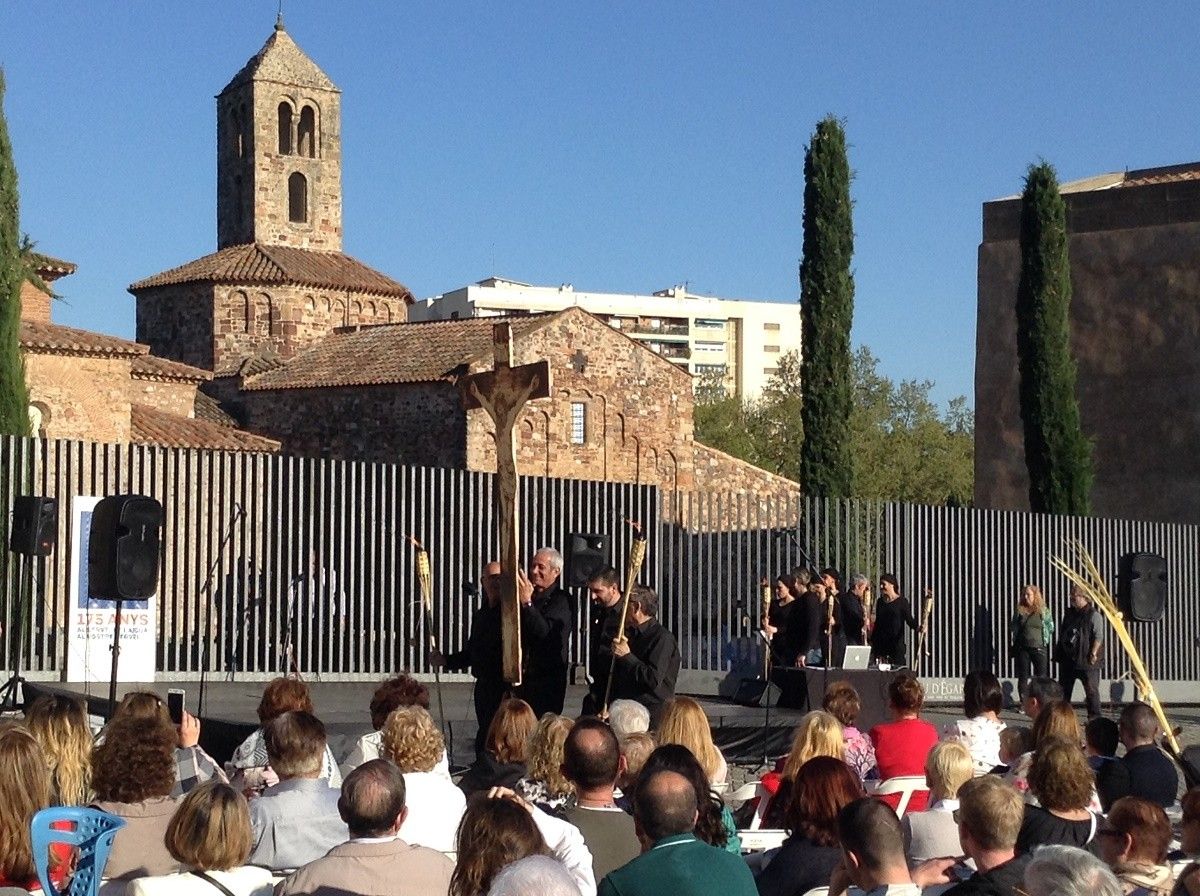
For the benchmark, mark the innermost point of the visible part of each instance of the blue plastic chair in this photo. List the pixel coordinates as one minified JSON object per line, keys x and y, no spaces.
{"x":91,"y":833}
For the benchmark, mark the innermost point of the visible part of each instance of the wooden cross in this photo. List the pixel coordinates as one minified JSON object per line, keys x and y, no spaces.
{"x":503,"y":392}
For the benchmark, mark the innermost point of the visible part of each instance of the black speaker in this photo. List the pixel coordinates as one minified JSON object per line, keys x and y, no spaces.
{"x":34,"y":525}
{"x":586,"y":556}
{"x":1142,"y":586}
{"x":123,"y":548}
{"x":757,"y":692}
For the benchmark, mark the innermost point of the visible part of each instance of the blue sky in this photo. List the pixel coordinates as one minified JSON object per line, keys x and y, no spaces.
{"x":620,"y":147}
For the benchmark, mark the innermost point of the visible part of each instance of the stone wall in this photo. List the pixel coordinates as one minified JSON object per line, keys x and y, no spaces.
{"x":638,"y":410}
{"x":80,"y":397}
{"x":1135,"y":334}
{"x":177,"y":323}
{"x":35,"y":304}
{"x":165,"y":395}
{"x":418,"y":423}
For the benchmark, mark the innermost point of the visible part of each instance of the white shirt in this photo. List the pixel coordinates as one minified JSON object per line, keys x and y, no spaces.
{"x":249,"y":880}
{"x":368,"y":748}
{"x":435,"y":807}
{"x":566,"y":844}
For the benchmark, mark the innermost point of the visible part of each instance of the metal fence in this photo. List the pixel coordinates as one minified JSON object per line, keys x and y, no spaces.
{"x":707,"y":554}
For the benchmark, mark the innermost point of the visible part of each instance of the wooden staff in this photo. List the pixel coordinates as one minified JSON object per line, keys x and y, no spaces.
{"x":633,"y":567}
{"x":1092,"y":584}
{"x":765,"y":585}
{"x":922,"y":647}
{"x":425,"y":580}
{"x":868,"y":620}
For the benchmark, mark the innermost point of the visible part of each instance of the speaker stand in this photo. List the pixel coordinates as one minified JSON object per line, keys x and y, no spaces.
{"x":116,"y":654}
{"x":12,"y":692}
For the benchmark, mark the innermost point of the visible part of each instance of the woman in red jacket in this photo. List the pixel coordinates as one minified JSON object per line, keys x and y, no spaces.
{"x":902,"y":745}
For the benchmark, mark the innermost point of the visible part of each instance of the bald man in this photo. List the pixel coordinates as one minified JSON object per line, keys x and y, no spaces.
{"x":673,"y":861}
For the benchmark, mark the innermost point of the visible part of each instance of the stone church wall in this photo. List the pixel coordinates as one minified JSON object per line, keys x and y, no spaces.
{"x":171,"y":397}
{"x":177,"y":323}
{"x":80,"y":397}
{"x":408,"y":424}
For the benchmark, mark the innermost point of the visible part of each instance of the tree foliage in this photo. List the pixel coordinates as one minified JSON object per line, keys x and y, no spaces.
{"x":1057,"y":454}
{"x":827,"y":311}
{"x":14,"y":395}
{"x":902,"y":446}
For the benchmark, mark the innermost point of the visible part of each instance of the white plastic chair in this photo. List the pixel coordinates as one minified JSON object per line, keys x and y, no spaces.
{"x":761,"y":839}
{"x":905,"y":785}
{"x":817,"y":891}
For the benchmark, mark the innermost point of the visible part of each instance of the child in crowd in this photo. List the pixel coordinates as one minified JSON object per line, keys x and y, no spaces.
{"x":1015,"y":741}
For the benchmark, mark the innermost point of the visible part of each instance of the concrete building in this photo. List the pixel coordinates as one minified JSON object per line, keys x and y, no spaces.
{"x":1135,"y":336}
{"x":740,"y":340}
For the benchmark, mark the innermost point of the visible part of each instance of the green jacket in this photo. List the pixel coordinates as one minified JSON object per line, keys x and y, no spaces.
{"x":1014,"y":629}
{"x":681,"y":866}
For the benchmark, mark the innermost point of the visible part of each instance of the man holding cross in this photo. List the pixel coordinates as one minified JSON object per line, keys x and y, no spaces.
{"x":546,"y":622}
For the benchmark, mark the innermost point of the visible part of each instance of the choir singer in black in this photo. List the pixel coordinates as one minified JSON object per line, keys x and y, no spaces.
{"x":647,"y":658}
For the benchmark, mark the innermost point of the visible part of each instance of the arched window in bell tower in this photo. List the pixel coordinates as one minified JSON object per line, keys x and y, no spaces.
{"x":235,"y":131}
{"x":285,"y":128}
{"x":307,"y":139}
{"x":297,"y":198}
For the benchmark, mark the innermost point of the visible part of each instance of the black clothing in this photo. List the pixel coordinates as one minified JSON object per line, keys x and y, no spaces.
{"x":484,"y":656}
{"x":783,"y":642}
{"x":887,"y":637}
{"x":488,"y":772}
{"x":1003,"y":880}
{"x":1152,"y":774}
{"x":648,"y":672}
{"x":1069,"y":673}
{"x":808,"y":624}
{"x":1031,"y":661}
{"x":1042,"y":827}
{"x":1112,"y":779}
{"x":602,"y":630}
{"x":1080,"y":630}
{"x":545,"y":634}
{"x":854,"y":619}
{"x":838,"y":641}
{"x":799,"y":866}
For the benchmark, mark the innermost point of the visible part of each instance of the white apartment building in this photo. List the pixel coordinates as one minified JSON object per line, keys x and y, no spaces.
{"x":741,"y":340}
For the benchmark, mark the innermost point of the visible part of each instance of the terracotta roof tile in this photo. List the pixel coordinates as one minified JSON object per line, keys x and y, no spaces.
{"x":48,"y":264}
{"x":393,"y":353}
{"x":209,"y":409}
{"x":255,"y":263}
{"x":42,"y":336}
{"x":1165,"y":175}
{"x":151,"y":367}
{"x":150,"y":426}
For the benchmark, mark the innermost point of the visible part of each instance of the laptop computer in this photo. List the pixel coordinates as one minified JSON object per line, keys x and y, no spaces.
{"x":857,"y":657}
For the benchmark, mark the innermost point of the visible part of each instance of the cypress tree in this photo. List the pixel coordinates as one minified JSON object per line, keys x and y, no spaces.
{"x":827,"y":311}
{"x":14,"y":395}
{"x":1057,"y":454}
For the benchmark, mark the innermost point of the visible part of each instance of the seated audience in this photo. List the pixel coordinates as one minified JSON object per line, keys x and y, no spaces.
{"x":1189,"y":844}
{"x":494,"y":833}
{"x":823,"y":786}
{"x":1015,"y":742}
{"x":635,"y":750}
{"x":817,"y":734}
{"x":1152,"y":774}
{"x":628,"y":717}
{"x":193,"y":765}
{"x":934,"y":832}
{"x":1134,"y":840}
{"x":872,"y":851}
{"x":1101,"y":737}
{"x":505,"y":749}
{"x":903,"y":744}
{"x":540,"y":875}
{"x":714,"y":825}
{"x":24,"y":791}
{"x":435,"y":806}
{"x":1061,"y":781}
{"x":209,"y":836}
{"x":673,"y":860}
{"x":133,"y":772}
{"x":1056,"y":721}
{"x":1040,"y":692}
{"x":1068,"y":871}
{"x":563,"y":840}
{"x":59,"y":723}
{"x":979,"y":732}
{"x":403,"y":690}
{"x":685,"y":723}
{"x":376,"y":859}
{"x":295,"y":821}
{"x":543,"y":784}
{"x":592,"y":763}
{"x":250,"y":768}
{"x":843,"y":703}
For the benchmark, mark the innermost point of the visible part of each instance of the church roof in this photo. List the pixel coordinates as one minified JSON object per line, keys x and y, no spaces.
{"x":151,"y":367}
{"x":207,"y":408}
{"x":48,"y":264}
{"x":47,"y":338}
{"x":395,"y":353}
{"x":255,"y":263}
{"x":280,"y":60}
{"x":151,"y":426}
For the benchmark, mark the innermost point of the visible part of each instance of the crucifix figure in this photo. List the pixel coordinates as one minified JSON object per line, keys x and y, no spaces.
{"x":503,"y":392}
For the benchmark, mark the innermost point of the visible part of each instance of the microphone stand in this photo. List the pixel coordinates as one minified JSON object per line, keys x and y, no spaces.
{"x":238,"y":513}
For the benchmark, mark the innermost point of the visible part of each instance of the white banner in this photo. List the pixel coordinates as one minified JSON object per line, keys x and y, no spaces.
{"x":90,"y":621}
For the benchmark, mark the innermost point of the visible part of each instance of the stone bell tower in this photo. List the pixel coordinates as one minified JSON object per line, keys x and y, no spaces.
{"x":279,"y":153}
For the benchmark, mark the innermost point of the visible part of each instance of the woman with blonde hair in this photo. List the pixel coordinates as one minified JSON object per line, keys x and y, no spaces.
{"x":505,"y":754}
{"x":1030,"y":634}
{"x":59,"y":723}
{"x":24,"y":791}
{"x":412,"y":742}
{"x":934,"y":832}
{"x":817,"y":734}
{"x":685,"y":723}
{"x":1056,"y":722}
{"x":544,"y":784}
{"x":209,"y":835}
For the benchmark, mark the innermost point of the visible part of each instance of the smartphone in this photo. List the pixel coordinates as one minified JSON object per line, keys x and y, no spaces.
{"x":175,"y":704}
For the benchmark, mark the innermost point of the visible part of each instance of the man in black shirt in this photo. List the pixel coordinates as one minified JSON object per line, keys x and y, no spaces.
{"x":605,"y":591}
{"x":647,"y":657}
{"x":854,"y":610}
{"x":1078,"y":652}
{"x":546,"y":623}
{"x":1152,"y":774}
